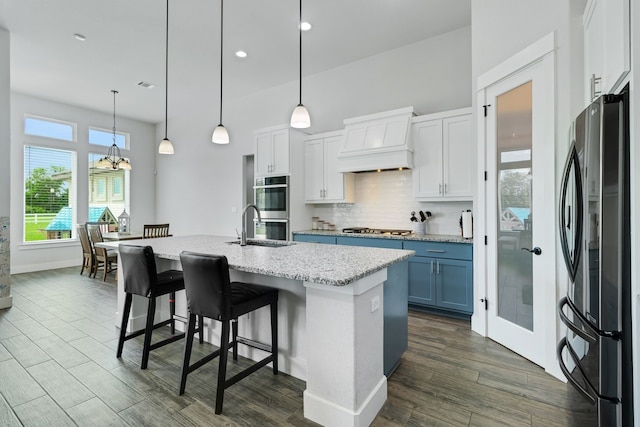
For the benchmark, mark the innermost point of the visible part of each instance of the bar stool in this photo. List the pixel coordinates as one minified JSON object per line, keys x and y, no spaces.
{"x":141,"y":278}
{"x":211,"y":294}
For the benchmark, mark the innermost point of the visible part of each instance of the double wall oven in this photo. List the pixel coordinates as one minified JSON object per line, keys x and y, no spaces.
{"x":271,"y":195}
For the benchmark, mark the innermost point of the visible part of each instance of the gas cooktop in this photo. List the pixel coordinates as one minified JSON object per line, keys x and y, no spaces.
{"x":367,"y":230}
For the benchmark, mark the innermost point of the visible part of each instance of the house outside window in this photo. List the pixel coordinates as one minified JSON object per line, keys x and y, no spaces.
{"x":49,"y":193}
{"x":108,"y":189}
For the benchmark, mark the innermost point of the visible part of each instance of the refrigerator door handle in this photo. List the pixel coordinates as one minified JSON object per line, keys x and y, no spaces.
{"x":582,"y":390}
{"x":593,"y":339}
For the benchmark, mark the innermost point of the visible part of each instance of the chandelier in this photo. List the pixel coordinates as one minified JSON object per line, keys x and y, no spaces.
{"x":113,"y":160}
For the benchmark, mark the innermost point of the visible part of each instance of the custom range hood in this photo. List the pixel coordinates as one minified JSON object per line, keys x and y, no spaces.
{"x":377,"y":142}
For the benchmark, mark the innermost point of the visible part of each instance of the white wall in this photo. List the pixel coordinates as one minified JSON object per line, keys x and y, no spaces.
{"x":5,"y":254}
{"x":42,"y":256}
{"x":4,"y":121}
{"x":199,"y":187}
{"x":502,"y":28}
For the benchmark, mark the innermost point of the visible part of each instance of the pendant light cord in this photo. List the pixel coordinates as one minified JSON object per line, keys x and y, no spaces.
{"x":300,"y":31}
{"x":221,"y":46}
{"x":114,"y":115}
{"x":166,"y":75}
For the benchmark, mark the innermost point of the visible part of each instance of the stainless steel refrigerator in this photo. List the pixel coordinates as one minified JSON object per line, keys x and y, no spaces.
{"x":595,"y":354}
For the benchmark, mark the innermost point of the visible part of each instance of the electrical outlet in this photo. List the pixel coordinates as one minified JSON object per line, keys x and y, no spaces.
{"x":375,"y":303}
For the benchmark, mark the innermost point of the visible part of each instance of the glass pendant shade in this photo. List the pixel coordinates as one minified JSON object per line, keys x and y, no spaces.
{"x":300,"y":118}
{"x":220,"y":135}
{"x":104,"y":163}
{"x":124,"y":164}
{"x":166,"y":147}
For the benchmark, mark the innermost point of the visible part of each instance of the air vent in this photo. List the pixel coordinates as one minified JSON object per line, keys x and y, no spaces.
{"x":146,"y":85}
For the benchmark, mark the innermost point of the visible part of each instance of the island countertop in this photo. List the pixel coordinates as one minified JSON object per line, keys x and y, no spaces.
{"x":312,"y":262}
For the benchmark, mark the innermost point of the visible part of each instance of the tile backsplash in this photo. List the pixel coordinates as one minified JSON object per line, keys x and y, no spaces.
{"x":385,"y":200}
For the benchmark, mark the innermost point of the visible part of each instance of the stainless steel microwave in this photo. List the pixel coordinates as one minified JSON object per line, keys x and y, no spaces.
{"x":272,"y":197}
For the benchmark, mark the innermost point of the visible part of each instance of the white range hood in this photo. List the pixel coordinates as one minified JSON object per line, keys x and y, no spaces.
{"x":377,"y":142}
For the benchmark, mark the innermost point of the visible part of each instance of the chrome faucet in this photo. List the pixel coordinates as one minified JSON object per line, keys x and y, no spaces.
{"x":243,"y":236}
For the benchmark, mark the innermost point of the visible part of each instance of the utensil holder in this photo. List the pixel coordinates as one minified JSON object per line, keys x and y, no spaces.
{"x":420,"y":227}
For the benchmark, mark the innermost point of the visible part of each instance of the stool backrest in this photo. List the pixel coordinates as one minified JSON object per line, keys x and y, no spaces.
{"x":207,"y":284}
{"x":138,"y":269}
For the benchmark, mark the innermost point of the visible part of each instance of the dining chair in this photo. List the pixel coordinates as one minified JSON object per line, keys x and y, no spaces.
{"x":155,"y":230}
{"x":104,"y":225}
{"x":210,"y":293}
{"x":88,"y":257}
{"x":104,"y":257}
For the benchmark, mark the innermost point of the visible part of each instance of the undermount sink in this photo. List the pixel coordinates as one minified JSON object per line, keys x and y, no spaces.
{"x":265,"y":243}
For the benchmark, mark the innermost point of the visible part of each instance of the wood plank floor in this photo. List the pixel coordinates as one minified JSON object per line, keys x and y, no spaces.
{"x":58,"y":367}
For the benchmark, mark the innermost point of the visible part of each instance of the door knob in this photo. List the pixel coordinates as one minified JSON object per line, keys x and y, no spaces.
{"x":535,"y":251}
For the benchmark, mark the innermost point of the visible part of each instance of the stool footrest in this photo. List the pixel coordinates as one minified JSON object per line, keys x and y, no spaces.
{"x":255,"y":344}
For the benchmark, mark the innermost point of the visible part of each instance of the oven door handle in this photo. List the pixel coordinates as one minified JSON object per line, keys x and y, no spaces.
{"x":258,"y":187}
{"x":576,"y":329}
{"x":270,"y":220}
{"x":582,"y":390}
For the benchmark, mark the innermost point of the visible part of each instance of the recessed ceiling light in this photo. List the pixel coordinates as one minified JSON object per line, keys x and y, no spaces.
{"x":79,"y":37}
{"x":305,"y":26}
{"x":146,"y":85}
{"x":241,"y":54}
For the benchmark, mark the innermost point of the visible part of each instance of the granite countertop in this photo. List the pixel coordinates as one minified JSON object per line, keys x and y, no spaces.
{"x":313,"y":262}
{"x":445,"y":238}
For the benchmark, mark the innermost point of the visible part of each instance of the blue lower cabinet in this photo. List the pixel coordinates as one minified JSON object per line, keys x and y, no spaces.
{"x":421,"y":286}
{"x":314,"y":238}
{"x":454,"y":285}
{"x":443,"y":279}
{"x":369,"y":242}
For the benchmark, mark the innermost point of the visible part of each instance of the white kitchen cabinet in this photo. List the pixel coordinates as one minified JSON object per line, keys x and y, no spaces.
{"x":607,"y":56}
{"x":272,"y":151}
{"x":322,"y":181}
{"x":443,"y":155}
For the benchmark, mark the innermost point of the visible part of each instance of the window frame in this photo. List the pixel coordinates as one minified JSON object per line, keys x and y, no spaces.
{"x":74,"y":127}
{"x":126,"y":136}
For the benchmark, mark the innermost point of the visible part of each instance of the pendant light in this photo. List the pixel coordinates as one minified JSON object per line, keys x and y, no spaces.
{"x":220,"y":134}
{"x":166,"y":147}
{"x":113,"y":160}
{"x":300,"y":117}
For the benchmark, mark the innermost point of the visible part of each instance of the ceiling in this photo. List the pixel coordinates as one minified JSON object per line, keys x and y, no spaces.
{"x":125,"y":42}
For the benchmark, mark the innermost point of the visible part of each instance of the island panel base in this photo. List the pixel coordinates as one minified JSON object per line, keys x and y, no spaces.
{"x":327,"y":413}
{"x":346,"y":385}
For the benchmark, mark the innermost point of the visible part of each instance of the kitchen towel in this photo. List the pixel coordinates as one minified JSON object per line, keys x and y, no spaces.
{"x":467,"y":225}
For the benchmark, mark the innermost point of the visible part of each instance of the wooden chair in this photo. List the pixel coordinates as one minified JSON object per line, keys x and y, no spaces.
{"x":104,"y":226}
{"x":88,"y":257}
{"x":210,"y":293}
{"x":156,"y":230}
{"x":104,"y":257}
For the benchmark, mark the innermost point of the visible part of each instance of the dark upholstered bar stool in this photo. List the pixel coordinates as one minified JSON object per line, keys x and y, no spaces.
{"x":141,"y":278}
{"x":211,"y":294}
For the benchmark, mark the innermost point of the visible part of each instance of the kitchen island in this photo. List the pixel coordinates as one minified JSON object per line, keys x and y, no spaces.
{"x":329,"y":314}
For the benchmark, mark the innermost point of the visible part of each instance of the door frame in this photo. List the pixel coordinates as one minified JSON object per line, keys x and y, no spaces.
{"x":543,"y":48}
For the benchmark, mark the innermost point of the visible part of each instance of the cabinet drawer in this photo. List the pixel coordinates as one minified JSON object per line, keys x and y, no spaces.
{"x":369,"y":242}
{"x":314,"y":238}
{"x":441,"y":250}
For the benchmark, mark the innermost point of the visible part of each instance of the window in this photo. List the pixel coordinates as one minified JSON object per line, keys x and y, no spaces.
{"x":108,"y":190}
{"x":49,"y":128}
{"x":105,"y":138}
{"x":49,"y":201}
